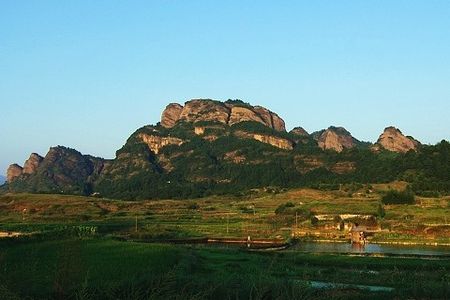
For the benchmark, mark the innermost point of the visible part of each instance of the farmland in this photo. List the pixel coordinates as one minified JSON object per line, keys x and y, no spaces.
{"x":260,"y":214}
{"x":93,"y":248}
{"x":107,"y":269}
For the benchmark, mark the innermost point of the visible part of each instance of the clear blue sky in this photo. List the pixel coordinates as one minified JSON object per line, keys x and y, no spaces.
{"x":86,"y":74}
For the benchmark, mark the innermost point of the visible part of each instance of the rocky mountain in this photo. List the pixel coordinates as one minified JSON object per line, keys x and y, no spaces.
{"x":31,"y":164}
{"x":299,"y":131}
{"x":335,"y":138}
{"x":229,"y":113}
{"x":210,"y":147}
{"x":61,"y":170}
{"x":393,"y":140}
{"x":13,"y":172}
{"x":2,"y":179}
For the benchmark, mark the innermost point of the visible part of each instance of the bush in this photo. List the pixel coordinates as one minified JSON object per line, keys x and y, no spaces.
{"x":429,"y":194}
{"x":399,"y":197}
{"x":283,"y":207}
{"x":247,"y":209}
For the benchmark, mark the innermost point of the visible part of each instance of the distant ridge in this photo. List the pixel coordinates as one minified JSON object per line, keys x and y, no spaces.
{"x":211,"y":147}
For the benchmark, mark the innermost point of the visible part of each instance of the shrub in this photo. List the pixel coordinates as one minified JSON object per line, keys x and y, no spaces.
{"x":399,"y":197}
{"x":247,"y":209}
{"x":429,"y":194}
{"x":282,"y":207}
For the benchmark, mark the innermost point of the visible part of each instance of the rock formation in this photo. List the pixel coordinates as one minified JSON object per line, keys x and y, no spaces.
{"x":241,"y":114}
{"x":299,"y":131}
{"x":205,"y":110}
{"x":230,"y":112}
{"x":211,"y":144}
{"x":275,"y":141}
{"x":335,"y":138}
{"x":307,"y":163}
{"x":171,"y":115}
{"x":32,"y":163}
{"x":13,"y":172}
{"x":270,"y":118}
{"x":155,"y":143}
{"x":393,"y":140}
{"x":278,"y":123}
{"x":343,"y":167}
{"x":199,"y":130}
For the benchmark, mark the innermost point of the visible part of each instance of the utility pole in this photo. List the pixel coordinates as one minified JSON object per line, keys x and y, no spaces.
{"x":296,"y":220}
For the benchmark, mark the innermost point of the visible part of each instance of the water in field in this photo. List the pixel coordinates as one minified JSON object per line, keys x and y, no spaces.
{"x":420,"y":250}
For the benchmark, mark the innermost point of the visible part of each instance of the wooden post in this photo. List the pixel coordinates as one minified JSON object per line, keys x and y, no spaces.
{"x":136,"y":227}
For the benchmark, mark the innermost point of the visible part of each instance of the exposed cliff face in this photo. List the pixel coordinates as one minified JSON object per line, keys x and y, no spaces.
{"x":278,"y":123}
{"x":274,"y":141}
{"x":241,"y":114}
{"x":335,"y":138}
{"x":266,"y":116}
{"x":205,"y":110}
{"x":155,"y":143}
{"x":307,"y":163}
{"x":228,"y":113}
{"x":171,"y":115}
{"x":393,"y":140}
{"x":13,"y":172}
{"x":234,"y":157}
{"x":343,"y":167}
{"x":270,"y":118}
{"x":267,"y":139}
{"x":32,"y":163}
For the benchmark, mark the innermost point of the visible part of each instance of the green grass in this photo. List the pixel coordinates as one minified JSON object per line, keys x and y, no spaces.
{"x":47,"y":268}
{"x":252,"y":214}
{"x":53,"y":266}
{"x":108,"y":269}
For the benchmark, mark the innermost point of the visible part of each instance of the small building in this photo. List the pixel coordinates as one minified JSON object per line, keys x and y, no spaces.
{"x":358,"y":234}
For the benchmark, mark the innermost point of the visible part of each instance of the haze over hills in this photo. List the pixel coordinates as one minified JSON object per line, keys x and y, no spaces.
{"x":2,"y":179}
{"x":211,"y":147}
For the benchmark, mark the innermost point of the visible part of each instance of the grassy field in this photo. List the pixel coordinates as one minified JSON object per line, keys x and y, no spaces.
{"x":72,"y":247}
{"x":108,"y":269}
{"x":253,"y":214}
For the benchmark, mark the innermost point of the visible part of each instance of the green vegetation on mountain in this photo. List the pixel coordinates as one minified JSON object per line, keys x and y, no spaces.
{"x":198,"y":153}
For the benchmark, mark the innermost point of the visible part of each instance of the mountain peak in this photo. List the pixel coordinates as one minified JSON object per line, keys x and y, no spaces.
{"x":335,"y":138}
{"x":229,"y":112}
{"x":13,"y":172}
{"x":299,"y":131}
{"x":32,"y":163}
{"x":392,"y":139}
{"x":171,"y":115}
